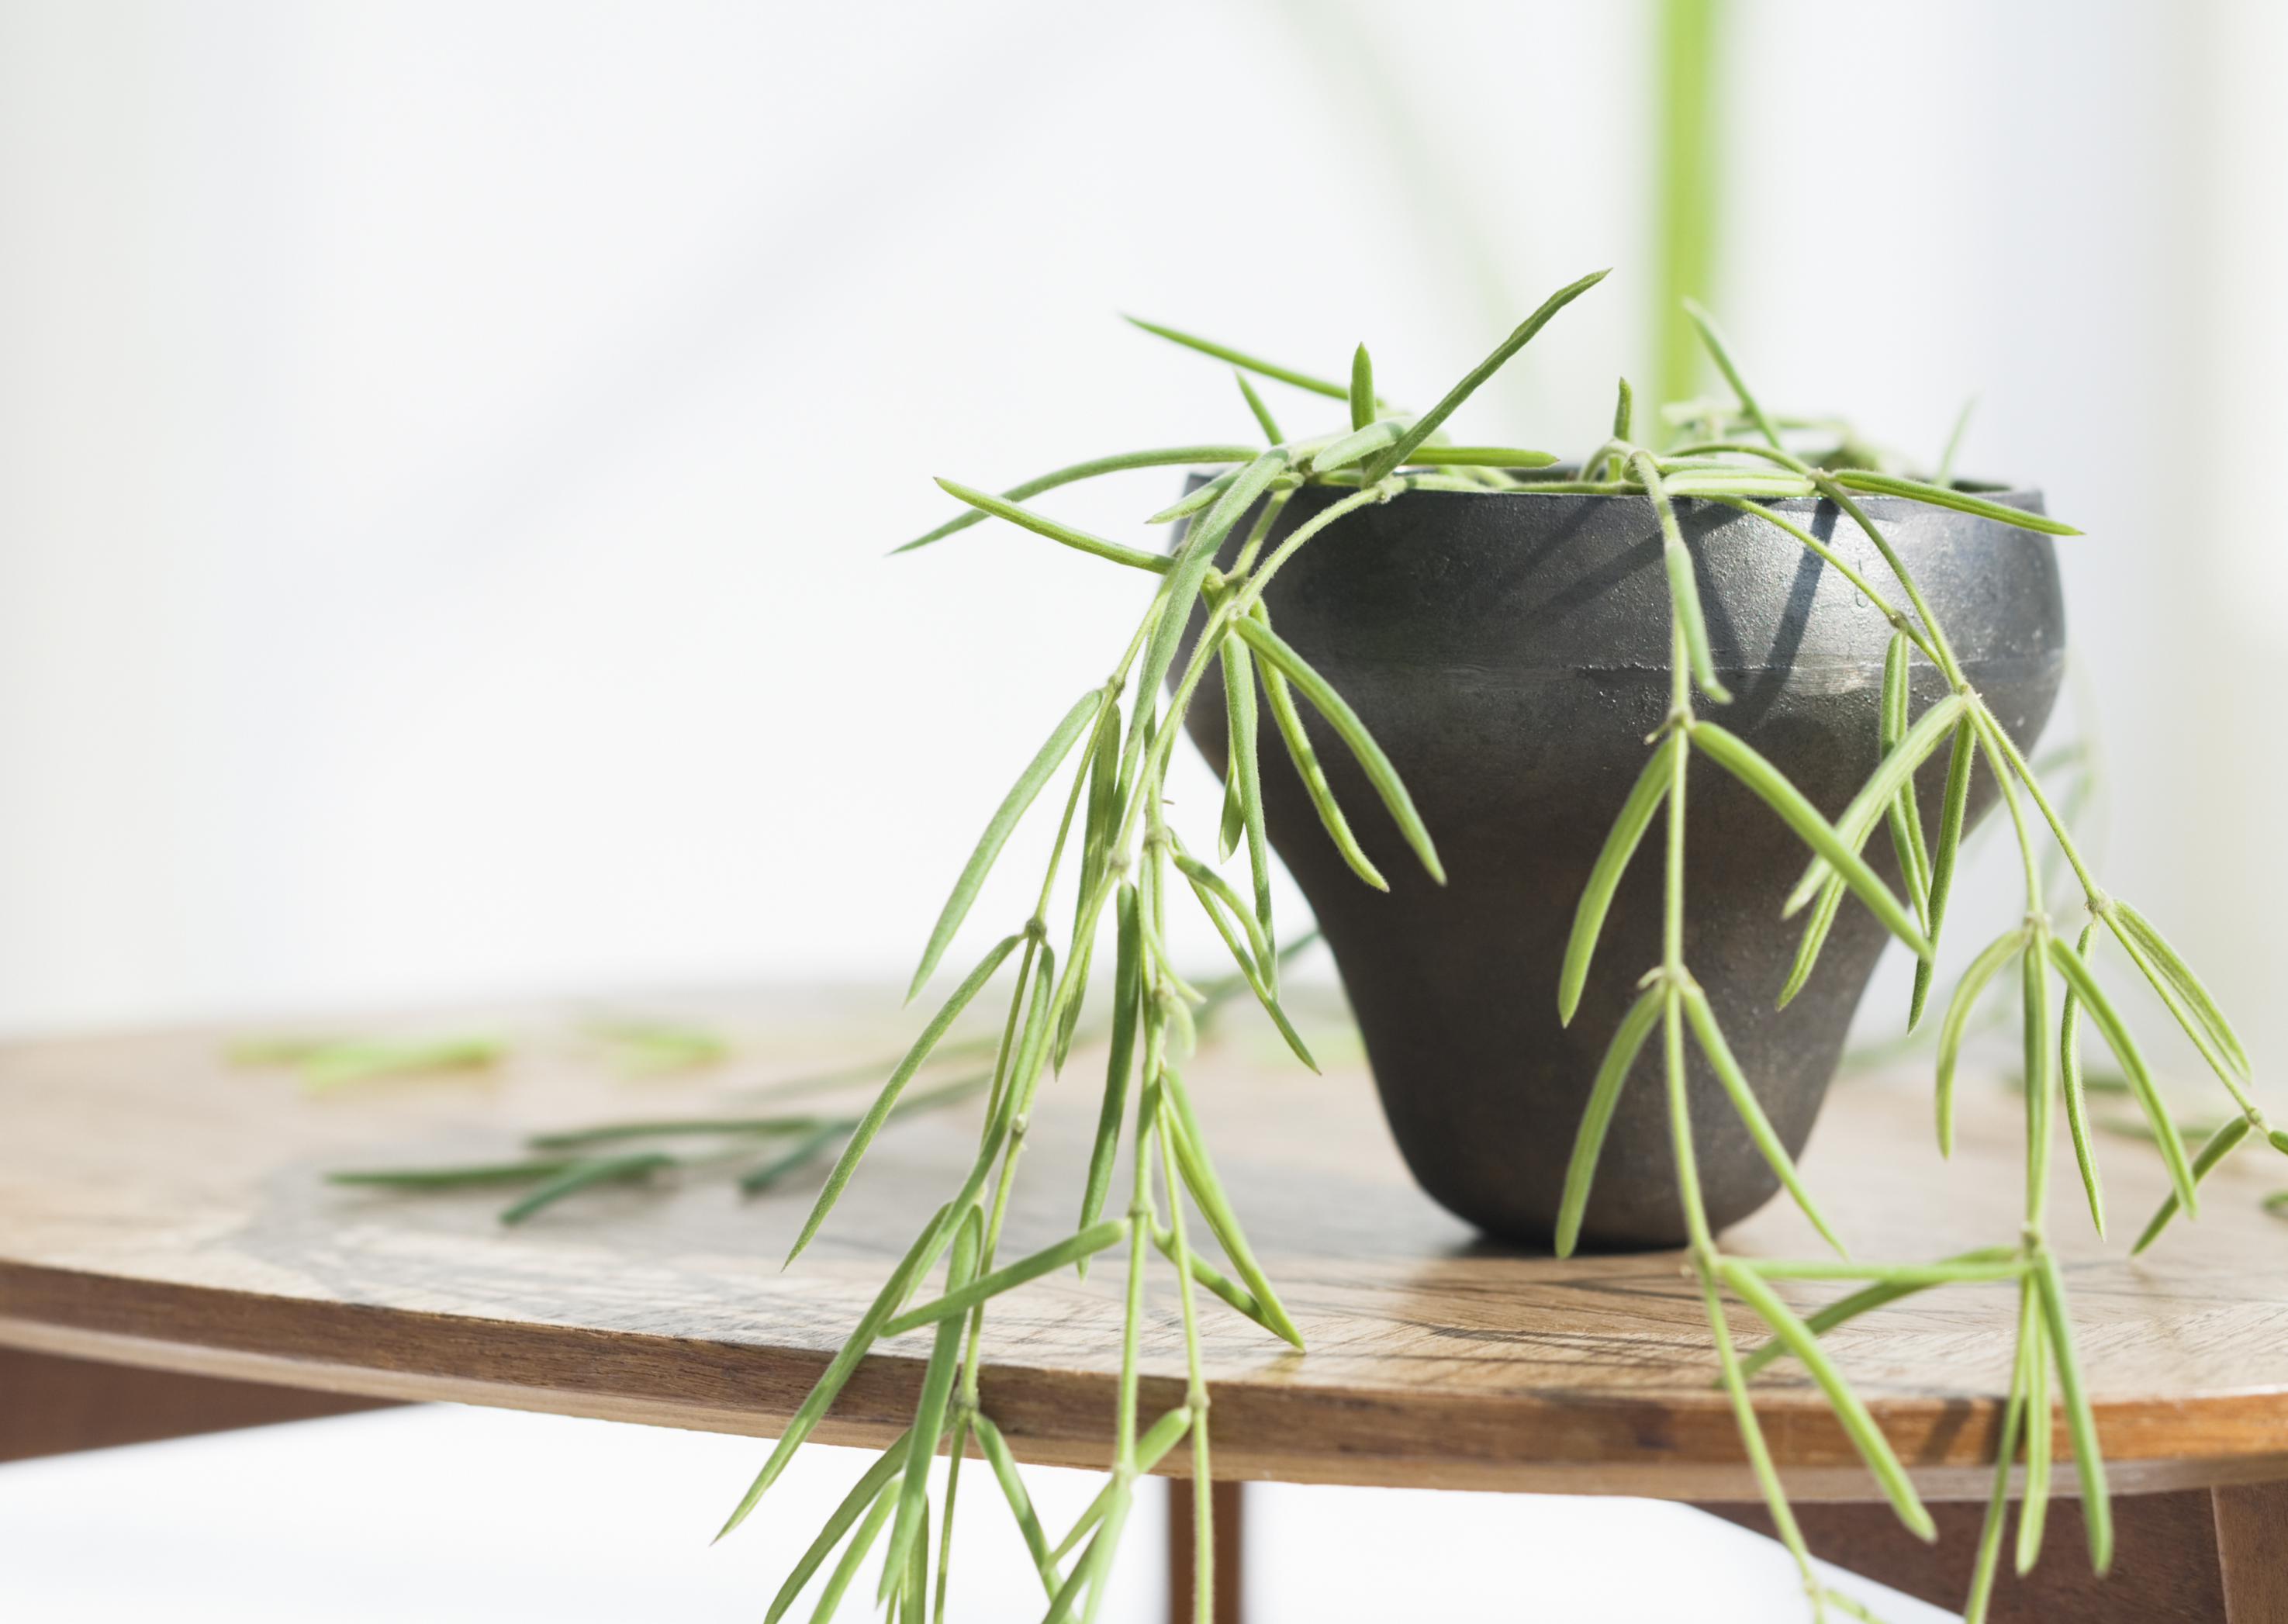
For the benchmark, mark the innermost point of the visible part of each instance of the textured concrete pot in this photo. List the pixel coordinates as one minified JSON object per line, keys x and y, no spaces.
{"x":1510,"y":651}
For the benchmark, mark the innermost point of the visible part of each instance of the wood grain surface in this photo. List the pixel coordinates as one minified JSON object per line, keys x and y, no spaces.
{"x":163,"y":1208}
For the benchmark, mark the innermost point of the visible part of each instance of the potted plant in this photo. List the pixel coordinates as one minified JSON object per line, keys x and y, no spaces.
{"x":1630,"y":727}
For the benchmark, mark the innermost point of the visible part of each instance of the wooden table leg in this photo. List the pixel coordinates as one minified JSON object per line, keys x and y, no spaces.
{"x":2165,"y":1558}
{"x":2251,"y":1537}
{"x":54,"y":1405}
{"x":1225,"y":1501}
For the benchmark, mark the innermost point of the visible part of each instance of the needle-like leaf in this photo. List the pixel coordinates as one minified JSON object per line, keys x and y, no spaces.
{"x":2217,"y":1146}
{"x":886,"y":1100}
{"x":854,"y":1506}
{"x":1353,"y":732}
{"x":1881,"y":1294}
{"x":1942,"y":496}
{"x":1881,"y":793}
{"x":1431,"y":421}
{"x":1127,"y":1002}
{"x":1743,"y":762}
{"x":929,"y":1413}
{"x":1041,"y":523}
{"x":960,"y":1300}
{"x":1983,"y":969}
{"x":1263,"y":417}
{"x":2081,"y":1421}
{"x":1021,"y":1503}
{"x":1751,"y":1111}
{"x":2180,"y":988}
{"x":1597,"y":1116}
{"x":1722,"y":356}
{"x":1952,"y":811}
{"x":2118,"y":1038}
{"x":1261,"y":369}
{"x":1173,"y":457}
{"x":1814,"y":938}
{"x":1005,"y":818}
{"x":1683,"y":582}
{"x":1865,"y":1436}
{"x":2076,"y":1098}
{"x":1605,"y":878}
{"x":917,"y":1258}
{"x":1297,"y":739}
{"x":586,"y":1171}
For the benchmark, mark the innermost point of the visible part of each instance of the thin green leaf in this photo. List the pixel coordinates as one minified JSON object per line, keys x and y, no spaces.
{"x":1353,"y":732}
{"x":2081,"y":1421}
{"x":917,"y":1258}
{"x":1193,"y":563}
{"x":1040,"y":524}
{"x":1127,"y":1001}
{"x":1192,"y":502}
{"x":1597,"y":1116}
{"x":1431,"y":421}
{"x":1741,"y":760}
{"x":1172,"y":456}
{"x":757,"y":1179}
{"x":447,"y":1178}
{"x":929,"y":1413}
{"x":586,"y":1171}
{"x":2034,"y":1503}
{"x":1357,"y":446}
{"x":1865,"y":1436}
{"x":1750,"y":1110}
{"x":1207,"y":1191}
{"x":1945,"y":477}
{"x":2180,"y":988}
{"x":1021,"y":1503}
{"x":1071,"y":1249}
{"x":1238,"y":697}
{"x":1983,"y":969}
{"x":1902,"y":812}
{"x":1297,"y":739}
{"x":2230,"y":1133}
{"x":1882,"y":791}
{"x":847,"y":1569}
{"x":1261,"y":369}
{"x":1013,"y":807}
{"x":1237,"y":1295}
{"x":2076,"y":1096}
{"x":2123,"y":1044}
{"x":1210,"y":888}
{"x":1722,"y":356}
{"x":1878,"y":1296}
{"x":671,"y":1128}
{"x":1952,"y":811}
{"x":1683,"y":582}
{"x":1814,"y":938}
{"x":1362,"y":389}
{"x":853,"y":1507}
{"x":1263,"y":418}
{"x":1942,"y":496}
{"x":1478,"y":457}
{"x":878,"y":1112}
{"x":1621,"y":843}
{"x":1247,"y":770}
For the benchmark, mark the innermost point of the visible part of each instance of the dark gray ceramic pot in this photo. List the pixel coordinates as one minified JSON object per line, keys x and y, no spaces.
{"x":1510,"y":651}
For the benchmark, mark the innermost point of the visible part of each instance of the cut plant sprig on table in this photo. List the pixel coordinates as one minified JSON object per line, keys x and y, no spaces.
{"x":327,"y":1063}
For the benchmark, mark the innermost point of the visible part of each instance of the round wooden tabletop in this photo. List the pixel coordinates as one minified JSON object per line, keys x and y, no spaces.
{"x":161,"y":1206}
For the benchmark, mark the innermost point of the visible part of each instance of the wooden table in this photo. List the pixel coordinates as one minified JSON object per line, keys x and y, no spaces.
{"x":162,"y":1209}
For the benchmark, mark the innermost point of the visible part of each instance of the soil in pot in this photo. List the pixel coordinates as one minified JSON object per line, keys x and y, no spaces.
{"x":1510,"y":651}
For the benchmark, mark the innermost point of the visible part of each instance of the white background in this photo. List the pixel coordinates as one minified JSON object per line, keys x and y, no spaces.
{"x":447,"y":450}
